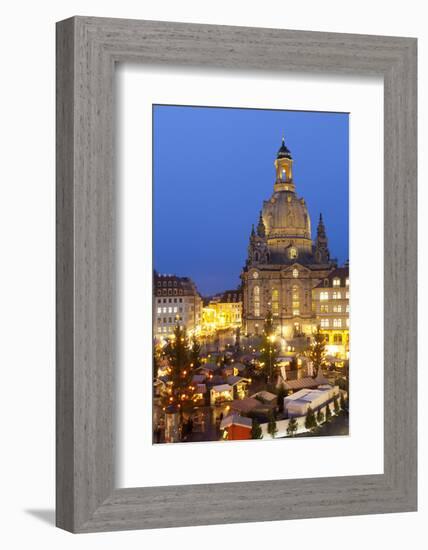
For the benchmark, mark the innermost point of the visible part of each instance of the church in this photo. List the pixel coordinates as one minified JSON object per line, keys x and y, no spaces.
{"x":284,"y":263}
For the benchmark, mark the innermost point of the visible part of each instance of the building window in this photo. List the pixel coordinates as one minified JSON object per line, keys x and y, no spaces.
{"x":347,"y":308}
{"x":324,"y":308}
{"x":337,"y":338}
{"x":336,"y":282}
{"x":295,"y":273}
{"x":347,"y":323}
{"x":337,"y":295}
{"x":295,"y":306}
{"x":324,"y":323}
{"x":275,"y":302}
{"x":337,"y":308}
{"x":347,"y":281}
{"x":337,"y":323}
{"x":256,"y":297}
{"x":347,"y":295}
{"x":324,"y":295}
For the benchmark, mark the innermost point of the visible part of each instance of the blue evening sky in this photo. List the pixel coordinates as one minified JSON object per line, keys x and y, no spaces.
{"x":213,"y":167}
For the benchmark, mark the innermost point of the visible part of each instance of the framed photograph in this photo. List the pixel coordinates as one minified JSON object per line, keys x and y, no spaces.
{"x":236,"y":274}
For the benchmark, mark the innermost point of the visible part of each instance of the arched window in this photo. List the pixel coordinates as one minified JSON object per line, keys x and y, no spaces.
{"x":275,"y":302}
{"x":283,"y":175}
{"x":256,"y":299}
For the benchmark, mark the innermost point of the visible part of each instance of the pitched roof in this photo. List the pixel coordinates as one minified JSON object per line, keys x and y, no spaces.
{"x":245,"y":405}
{"x":265,"y":396}
{"x":222,"y":387}
{"x":198,"y":378}
{"x":185,"y":284}
{"x":237,"y":420}
{"x":307,"y":382}
{"x":341,"y":273}
{"x":233,"y":380}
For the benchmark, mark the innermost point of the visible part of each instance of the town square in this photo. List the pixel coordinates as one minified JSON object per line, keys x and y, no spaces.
{"x":268,"y":359}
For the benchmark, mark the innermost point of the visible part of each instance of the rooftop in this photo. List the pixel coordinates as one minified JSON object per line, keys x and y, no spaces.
{"x":284,"y":151}
{"x":307,"y":382}
{"x":237,"y":420}
{"x":341,"y":273}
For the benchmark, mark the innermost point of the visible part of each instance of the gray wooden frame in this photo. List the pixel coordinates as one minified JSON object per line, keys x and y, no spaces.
{"x":87,"y":50}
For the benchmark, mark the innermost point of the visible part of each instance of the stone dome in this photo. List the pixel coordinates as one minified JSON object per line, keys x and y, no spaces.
{"x":286,"y":216}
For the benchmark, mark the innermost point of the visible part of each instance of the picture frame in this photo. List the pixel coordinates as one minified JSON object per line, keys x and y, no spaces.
{"x":87,"y":51}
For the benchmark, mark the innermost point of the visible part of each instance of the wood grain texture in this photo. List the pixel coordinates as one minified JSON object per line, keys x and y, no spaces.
{"x":87,"y":50}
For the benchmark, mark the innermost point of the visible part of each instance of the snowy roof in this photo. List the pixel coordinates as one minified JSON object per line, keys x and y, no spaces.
{"x":307,"y":395}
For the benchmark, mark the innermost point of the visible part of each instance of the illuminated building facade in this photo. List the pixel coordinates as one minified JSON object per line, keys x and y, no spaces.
{"x":223,"y":311}
{"x":331,"y":305}
{"x":284,"y":264}
{"x":175,"y":300}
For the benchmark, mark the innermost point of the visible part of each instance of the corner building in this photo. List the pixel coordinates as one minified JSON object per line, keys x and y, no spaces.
{"x":284,"y":264}
{"x":175,"y":300}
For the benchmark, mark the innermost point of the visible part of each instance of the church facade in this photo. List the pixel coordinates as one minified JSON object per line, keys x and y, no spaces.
{"x":284,"y":263}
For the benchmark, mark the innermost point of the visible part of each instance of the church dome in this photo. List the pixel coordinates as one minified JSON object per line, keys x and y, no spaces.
{"x":286,"y":216}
